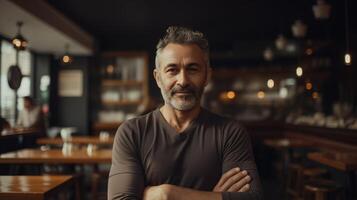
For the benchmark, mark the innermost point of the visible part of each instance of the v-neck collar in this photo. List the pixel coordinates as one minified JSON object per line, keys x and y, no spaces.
{"x":171,"y":129}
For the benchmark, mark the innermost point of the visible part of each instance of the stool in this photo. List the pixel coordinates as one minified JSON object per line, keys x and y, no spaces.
{"x":298,"y":175}
{"x":321,"y":189}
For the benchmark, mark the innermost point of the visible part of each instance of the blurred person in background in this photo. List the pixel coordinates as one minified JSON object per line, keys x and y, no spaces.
{"x":31,"y":116}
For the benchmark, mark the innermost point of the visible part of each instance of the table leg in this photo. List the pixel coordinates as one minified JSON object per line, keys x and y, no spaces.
{"x":95,"y":181}
{"x":77,"y":187}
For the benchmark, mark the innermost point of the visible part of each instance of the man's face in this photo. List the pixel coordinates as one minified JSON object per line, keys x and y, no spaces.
{"x":27,"y":104}
{"x":182,"y":75}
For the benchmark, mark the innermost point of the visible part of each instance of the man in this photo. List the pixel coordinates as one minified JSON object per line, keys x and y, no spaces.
{"x":182,"y":151}
{"x":31,"y":116}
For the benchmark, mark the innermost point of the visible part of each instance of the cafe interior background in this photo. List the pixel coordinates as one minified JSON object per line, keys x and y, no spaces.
{"x":285,"y":69}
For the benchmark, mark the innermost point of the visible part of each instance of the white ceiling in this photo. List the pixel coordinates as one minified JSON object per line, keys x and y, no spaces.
{"x":42,"y":37}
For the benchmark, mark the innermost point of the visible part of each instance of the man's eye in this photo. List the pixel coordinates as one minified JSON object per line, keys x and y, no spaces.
{"x":171,"y":70}
{"x":193,"y":68}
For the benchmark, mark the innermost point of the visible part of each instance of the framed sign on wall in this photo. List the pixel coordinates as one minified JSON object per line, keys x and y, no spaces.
{"x":70,"y":83}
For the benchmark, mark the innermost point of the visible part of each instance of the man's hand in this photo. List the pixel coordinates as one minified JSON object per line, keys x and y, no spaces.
{"x":159,"y":192}
{"x":173,"y":192}
{"x":234,"y":180}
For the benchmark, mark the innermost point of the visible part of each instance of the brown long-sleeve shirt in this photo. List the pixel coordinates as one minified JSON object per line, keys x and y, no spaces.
{"x":148,"y":151}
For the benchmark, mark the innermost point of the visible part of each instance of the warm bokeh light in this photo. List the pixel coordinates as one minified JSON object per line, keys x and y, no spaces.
{"x":315,"y":95}
{"x":227,"y":96}
{"x":66,"y":59}
{"x":308,"y":86}
{"x":16,"y":42}
{"x":347,"y":59}
{"x":270,"y":83}
{"x":110,"y":69}
{"x":231,"y":94}
{"x":309,"y":51}
{"x":261,"y":95}
{"x":268,"y":54}
{"x":299,"y":71}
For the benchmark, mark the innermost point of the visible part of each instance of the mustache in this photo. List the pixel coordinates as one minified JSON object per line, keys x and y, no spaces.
{"x":186,"y":89}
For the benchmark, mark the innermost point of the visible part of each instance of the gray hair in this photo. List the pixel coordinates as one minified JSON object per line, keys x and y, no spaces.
{"x":182,"y":35}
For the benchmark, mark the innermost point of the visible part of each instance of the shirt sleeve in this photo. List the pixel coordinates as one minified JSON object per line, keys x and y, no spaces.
{"x":126,"y":180}
{"x":237,"y":152}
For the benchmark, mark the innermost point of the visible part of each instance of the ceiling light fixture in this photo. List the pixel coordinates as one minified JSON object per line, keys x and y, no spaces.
{"x":66,"y":58}
{"x":299,"y":71}
{"x":19,"y":42}
{"x":270,"y":83}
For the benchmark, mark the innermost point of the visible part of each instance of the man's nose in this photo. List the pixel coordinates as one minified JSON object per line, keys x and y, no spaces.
{"x":182,"y":78}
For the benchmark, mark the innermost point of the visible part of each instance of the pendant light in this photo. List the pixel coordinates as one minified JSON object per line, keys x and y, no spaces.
{"x":19,"y":42}
{"x":66,"y":58}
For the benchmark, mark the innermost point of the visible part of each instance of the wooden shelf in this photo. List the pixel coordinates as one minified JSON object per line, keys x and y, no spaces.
{"x":133,"y":66}
{"x":111,"y":83}
{"x":121,"y":103}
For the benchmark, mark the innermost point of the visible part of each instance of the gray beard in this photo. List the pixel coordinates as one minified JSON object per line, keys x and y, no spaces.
{"x":185,"y":103}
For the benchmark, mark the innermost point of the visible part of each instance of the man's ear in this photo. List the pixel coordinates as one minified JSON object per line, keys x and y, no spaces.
{"x":157,"y":77}
{"x":208,"y":75}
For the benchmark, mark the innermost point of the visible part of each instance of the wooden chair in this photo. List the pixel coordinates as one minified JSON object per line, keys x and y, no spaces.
{"x":321,"y":189}
{"x":298,"y":175}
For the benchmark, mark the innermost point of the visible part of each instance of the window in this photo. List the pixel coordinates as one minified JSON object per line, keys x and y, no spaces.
{"x":8,"y":58}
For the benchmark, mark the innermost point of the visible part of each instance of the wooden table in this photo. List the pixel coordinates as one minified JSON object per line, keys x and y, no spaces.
{"x":285,"y":146}
{"x":33,"y":187}
{"x":81,"y":140}
{"x":17,"y":131}
{"x":346,"y":162}
{"x":56,"y":156}
{"x":13,"y":139}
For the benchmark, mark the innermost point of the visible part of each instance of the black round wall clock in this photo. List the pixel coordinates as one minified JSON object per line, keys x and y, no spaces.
{"x":14,"y":77}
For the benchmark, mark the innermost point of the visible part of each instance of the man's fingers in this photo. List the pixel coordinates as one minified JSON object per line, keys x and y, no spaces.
{"x":240,"y":184}
{"x":233,"y":180}
{"x":245,"y":188}
{"x":227,"y":175}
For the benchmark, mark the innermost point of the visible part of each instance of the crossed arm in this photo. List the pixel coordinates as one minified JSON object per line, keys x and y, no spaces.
{"x":235,"y":180}
{"x":126,"y":175}
{"x":126,"y":182}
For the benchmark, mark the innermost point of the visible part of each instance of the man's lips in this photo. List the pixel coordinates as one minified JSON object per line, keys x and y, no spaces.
{"x":183,"y":93}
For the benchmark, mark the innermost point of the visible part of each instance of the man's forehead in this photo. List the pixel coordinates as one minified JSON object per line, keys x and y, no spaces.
{"x":181,"y":48}
{"x":174,"y":52}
